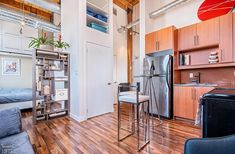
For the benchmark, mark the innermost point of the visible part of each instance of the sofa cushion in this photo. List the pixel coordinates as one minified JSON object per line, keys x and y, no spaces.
{"x":10,"y":122}
{"x":18,"y":143}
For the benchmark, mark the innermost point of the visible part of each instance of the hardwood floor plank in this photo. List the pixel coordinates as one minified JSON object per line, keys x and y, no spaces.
{"x":99,"y":136}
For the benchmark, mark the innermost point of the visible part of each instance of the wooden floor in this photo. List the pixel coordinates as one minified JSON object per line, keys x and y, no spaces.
{"x":99,"y":135}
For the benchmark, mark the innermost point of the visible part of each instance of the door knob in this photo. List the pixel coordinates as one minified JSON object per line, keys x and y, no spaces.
{"x":109,"y":83}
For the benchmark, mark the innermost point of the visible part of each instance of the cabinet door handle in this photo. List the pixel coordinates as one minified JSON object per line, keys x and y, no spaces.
{"x":156,"y":45}
{"x":195,"y":94}
{"x":197,"y":40}
{"x":194,"y":39}
{"x":192,"y":95}
{"x":221,"y":55}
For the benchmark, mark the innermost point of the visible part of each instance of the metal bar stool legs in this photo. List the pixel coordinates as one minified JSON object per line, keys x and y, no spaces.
{"x":136,"y":117}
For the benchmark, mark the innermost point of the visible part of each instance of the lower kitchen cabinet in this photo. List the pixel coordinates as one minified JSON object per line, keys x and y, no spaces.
{"x":186,"y":101}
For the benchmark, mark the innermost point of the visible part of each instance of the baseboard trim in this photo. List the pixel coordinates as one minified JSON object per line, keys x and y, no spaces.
{"x":78,"y":118}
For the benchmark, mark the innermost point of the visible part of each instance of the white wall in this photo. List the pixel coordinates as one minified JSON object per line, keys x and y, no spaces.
{"x":136,"y":44}
{"x":77,"y":34}
{"x":180,"y":16}
{"x":22,"y":81}
{"x":120,"y":46}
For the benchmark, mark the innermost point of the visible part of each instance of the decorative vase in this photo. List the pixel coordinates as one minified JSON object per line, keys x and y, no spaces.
{"x":58,"y":49}
{"x":45,"y":47}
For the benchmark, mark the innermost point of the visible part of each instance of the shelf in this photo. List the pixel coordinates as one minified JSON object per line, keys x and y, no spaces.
{"x":58,"y":111}
{"x":97,"y":9}
{"x":91,"y":19}
{"x":200,"y":48}
{"x":46,"y":74}
{"x":52,"y":101}
{"x":52,"y":70}
{"x":206,"y":66}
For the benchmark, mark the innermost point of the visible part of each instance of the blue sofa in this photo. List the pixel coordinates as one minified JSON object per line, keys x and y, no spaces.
{"x":12,"y":138}
{"x":217,"y":145}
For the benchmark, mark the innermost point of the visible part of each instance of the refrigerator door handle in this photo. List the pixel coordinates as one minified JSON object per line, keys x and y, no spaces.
{"x":167,"y":73}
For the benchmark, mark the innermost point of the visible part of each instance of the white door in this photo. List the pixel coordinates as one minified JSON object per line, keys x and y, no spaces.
{"x":99,"y":80}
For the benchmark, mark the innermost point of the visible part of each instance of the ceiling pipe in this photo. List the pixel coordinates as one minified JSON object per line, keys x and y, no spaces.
{"x":53,"y":7}
{"x":166,"y":8}
{"x":17,"y":17}
{"x":130,"y":25}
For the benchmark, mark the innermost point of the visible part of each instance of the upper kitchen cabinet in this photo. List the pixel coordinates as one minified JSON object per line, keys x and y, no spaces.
{"x":187,"y":37}
{"x":226,"y":38}
{"x":198,"y":35}
{"x":150,"y":42}
{"x":165,"y":39}
{"x":160,"y":40}
{"x":207,"y":33}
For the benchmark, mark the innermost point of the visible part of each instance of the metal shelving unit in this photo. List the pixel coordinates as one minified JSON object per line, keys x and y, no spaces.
{"x":51,"y":83}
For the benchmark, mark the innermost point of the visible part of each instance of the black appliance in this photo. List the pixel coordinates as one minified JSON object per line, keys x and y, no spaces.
{"x":218,"y":115}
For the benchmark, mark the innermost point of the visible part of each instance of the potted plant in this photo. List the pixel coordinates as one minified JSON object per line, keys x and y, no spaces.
{"x":42,"y":42}
{"x":60,"y":45}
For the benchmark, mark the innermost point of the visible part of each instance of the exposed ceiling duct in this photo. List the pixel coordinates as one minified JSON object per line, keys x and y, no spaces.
{"x":166,"y":8}
{"x":53,"y":7}
{"x":15,"y":16}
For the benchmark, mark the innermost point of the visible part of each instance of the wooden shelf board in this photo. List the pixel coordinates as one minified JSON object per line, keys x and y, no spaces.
{"x":205,"y":66}
{"x":58,"y":111}
{"x":200,"y":48}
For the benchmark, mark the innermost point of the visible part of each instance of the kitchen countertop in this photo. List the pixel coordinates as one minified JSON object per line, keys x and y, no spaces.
{"x":197,"y":85}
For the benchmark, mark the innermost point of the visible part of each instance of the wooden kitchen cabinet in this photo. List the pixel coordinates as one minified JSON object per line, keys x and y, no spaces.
{"x":150,"y":42}
{"x":186,"y":37}
{"x":226,"y":38}
{"x":160,"y":40}
{"x":207,"y":33}
{"x":233,"y":32}
{"x":186,"y":100}
{"x":165,"y":39}
{"x":199,"y":91}
{"x":203,"y":34}
{"x":183,"y":102}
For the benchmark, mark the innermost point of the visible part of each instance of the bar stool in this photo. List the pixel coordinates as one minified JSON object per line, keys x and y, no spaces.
{"x":135,"y":99}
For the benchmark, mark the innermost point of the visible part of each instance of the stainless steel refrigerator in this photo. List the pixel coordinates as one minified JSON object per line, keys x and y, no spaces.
{"x":163,"y":85}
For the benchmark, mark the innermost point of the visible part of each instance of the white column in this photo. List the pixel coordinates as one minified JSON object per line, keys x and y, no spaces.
{"x":142,"y":36}
{"x":72,"y":29}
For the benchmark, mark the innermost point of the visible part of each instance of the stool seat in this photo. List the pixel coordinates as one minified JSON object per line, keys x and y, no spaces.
{"x":132,"y":98}
{"x":129,"y":93}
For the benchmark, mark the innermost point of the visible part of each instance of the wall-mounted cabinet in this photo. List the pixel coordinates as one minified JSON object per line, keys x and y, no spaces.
{"x":186,"y":37}
{"x":226,"y":38}
{"x":150,"y":42}
{"x":207,"y":33}
{"x":199,"y":35}
{"x":12,"y":40}
{"x":186,"y":101}
{"x":206,"y":44}
{"x":97,"y":15}
{"x":160,"y":40}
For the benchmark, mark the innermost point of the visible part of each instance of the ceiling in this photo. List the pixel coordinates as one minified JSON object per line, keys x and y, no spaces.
{"x":125,"y":4}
